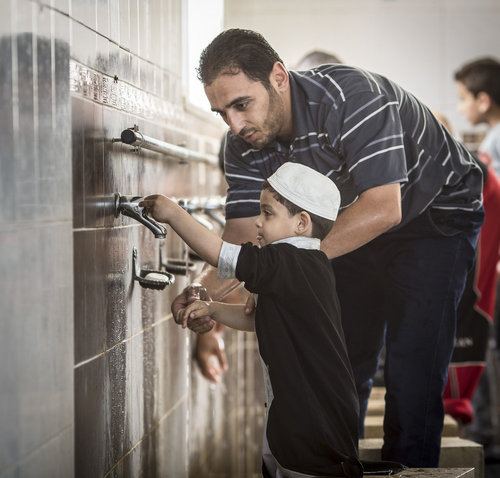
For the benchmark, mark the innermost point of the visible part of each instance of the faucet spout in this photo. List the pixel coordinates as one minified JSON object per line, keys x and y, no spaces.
{"x":129,"y":206}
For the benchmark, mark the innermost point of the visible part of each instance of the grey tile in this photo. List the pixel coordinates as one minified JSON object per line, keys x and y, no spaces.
{"x":83,"y":43}
{"x":62,"y":5}
{"x":41,"y":463}
{"x":36,"y":342}
{"x":7,"y":152}
{"x":103,"y":17}
{"x":77,"y":153}
{"x":90,"y":308}
{"x":24,"y":137}
{"x":124,"y":20}
{"x":134,"y":39}
{"x":85,"y":11}
{"x":114,"y":20}
{"x":92,"y":432}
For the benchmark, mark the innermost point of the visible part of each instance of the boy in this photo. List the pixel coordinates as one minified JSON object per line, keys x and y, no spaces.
{"x":478,"y":84}
{"x":311,"y":396}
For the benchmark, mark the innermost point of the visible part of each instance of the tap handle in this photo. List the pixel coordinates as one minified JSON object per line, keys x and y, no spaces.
{"x":129,"y":206}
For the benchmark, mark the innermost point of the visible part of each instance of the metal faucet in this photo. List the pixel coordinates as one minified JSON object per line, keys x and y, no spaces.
{"x":129,"y":206}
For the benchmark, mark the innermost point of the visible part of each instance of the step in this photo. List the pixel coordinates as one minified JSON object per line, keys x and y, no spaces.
{"x":455,"y":453}
{"x":374,"y":426}
{"x":376,"y":406}
{"x":377,"y":393}
{"x":433,"y":473}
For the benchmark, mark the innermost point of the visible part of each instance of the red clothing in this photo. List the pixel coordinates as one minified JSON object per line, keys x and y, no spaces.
{"x":489,"y":245}
{"x":476,"y":311}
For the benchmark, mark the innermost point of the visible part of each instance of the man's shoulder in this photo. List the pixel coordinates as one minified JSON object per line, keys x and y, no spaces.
{"x":336,"y":79}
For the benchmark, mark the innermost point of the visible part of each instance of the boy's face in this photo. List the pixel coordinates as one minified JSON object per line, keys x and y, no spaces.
{"x":248,"y":108}
{"x":274,"y":222}
{"x":469,"y":105}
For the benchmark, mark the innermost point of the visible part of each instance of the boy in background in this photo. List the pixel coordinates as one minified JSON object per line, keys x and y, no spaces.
{"x":478,"y":84}
{"x":312,"y":404}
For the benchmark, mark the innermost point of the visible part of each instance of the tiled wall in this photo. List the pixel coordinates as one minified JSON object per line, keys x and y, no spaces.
{"x":95,"y":378}
{"x":36,"y":246}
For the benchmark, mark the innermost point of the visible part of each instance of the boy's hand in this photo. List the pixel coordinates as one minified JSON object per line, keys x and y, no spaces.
{"x":195,"y":310}
{"x":180,"y":303}
{"x":157,"y":206}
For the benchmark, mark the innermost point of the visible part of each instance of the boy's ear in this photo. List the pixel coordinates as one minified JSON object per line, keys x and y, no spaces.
{"x":304,"y":223}
{"x":483,"y":102}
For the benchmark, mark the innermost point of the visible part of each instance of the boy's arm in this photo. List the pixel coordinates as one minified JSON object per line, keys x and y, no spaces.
{"x":232,"y":315}
{"x":205,"y":243}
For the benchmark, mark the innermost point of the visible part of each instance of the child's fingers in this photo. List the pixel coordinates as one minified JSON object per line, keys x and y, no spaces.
{"x":196,"y":310}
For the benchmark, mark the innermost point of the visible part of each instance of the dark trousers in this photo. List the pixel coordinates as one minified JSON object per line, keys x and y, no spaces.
{"x":403,"y":288}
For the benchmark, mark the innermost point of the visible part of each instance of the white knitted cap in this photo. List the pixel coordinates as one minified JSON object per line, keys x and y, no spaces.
{"x":307,"y":188}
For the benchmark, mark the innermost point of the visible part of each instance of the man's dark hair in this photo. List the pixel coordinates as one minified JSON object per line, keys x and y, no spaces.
{"x":482,"y":75}
{"x":320,"y":225}
{"x":236,"y":50}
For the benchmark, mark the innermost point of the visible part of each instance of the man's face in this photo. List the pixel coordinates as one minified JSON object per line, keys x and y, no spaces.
{"x":248,"y":108}
{"x":469,"y":105}
{"x":274,"y":222}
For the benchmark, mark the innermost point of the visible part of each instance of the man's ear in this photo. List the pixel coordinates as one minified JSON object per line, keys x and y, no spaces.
{"x":279,"y":77}
{"x":304,"y":223}
{"x":483,"y":101}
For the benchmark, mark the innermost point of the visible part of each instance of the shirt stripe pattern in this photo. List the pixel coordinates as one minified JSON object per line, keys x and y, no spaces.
{"x":362,"y":131}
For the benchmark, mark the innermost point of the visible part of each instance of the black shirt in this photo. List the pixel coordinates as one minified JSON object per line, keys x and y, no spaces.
{"x":313,"y":415}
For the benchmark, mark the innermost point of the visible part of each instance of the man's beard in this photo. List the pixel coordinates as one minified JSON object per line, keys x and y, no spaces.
{"x":273,"y":122}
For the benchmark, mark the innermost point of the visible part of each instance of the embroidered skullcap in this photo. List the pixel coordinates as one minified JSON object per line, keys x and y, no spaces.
{"x":307,"y":188}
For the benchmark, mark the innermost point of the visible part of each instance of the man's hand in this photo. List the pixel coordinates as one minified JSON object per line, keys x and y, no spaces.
{"x":194,"y":291}
{"x":211,"y":356}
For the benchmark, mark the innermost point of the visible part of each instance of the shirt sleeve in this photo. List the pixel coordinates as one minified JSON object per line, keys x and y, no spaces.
{"x":263,"y":269}
{"x":228,"y":258}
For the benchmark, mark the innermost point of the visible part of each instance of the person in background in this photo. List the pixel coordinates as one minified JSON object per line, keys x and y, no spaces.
{"x":405,"y":238}
{"x":316,"y":58}
{"x":312,"y":405}
{"x":478,"y":85}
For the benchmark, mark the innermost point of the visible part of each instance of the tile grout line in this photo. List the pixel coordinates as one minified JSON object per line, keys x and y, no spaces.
{"x":27,"y":455}
{"x":148,"y":433}
{"x":85,"y":362}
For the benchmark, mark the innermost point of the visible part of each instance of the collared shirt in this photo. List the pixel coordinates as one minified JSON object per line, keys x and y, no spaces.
{"x":362,"y":131}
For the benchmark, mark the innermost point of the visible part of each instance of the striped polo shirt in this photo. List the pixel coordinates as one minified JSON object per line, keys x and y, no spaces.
{"x":361,"y":130}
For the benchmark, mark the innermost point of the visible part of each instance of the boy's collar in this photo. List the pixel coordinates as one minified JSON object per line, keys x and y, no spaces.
{"x":301,"y":242}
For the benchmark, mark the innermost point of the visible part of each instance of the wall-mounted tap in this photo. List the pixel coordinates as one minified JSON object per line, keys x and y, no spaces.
{"x":193,"y":207}
{"x":129,"y":206}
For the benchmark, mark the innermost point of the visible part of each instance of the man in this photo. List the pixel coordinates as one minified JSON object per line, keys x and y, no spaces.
{"x":405,"y":239}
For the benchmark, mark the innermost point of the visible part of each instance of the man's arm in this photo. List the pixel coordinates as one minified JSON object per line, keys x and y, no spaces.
{"x":375,"y":212}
